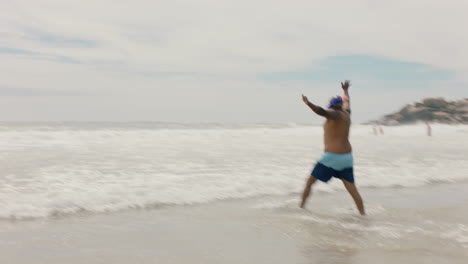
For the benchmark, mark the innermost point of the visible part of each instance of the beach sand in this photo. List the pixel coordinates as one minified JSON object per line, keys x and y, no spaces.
{"x":404,"y":225}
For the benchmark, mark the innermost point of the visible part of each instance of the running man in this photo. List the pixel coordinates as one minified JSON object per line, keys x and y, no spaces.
{"x":338,"y":159}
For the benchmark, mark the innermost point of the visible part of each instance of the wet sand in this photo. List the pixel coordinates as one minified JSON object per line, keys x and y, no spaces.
{"x":404,"y":225}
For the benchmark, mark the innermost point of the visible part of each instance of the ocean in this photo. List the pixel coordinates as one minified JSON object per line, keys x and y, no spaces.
{"x":67,"y":182}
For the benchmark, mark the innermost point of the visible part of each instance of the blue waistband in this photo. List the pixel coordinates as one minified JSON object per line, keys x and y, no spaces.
{"x":337,"y":161}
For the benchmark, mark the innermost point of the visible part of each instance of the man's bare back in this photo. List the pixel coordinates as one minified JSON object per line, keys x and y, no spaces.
{"x":336,"y":133}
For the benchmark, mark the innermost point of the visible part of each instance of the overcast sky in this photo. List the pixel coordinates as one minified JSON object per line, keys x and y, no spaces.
{"x":225,"y":61}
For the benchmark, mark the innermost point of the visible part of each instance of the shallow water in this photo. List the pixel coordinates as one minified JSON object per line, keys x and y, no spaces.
{"x":162,"y":193}
{"x":403,"y":225}
{"x":56,"y":169}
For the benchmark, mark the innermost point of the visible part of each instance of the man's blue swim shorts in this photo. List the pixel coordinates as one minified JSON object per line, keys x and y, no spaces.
{"x":336,"y":165}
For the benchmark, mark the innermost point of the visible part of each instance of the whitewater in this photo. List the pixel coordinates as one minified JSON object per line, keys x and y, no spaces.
{"x":53,"y":169}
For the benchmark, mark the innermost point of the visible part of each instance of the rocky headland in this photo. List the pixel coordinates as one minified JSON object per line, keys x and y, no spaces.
{"x":433,"y":110}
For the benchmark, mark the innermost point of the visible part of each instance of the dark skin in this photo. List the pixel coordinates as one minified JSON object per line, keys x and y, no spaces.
{"x":336,"y":139}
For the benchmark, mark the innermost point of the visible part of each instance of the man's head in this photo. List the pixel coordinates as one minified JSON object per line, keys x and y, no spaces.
{"x":336,"y":103}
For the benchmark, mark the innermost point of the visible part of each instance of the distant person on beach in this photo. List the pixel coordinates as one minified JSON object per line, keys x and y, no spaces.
{"x":338,"y":159}
{"x":429,"y":130}
{"x":381,"y":130}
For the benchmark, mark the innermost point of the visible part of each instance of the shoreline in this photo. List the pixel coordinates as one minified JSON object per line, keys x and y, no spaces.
{"x":157,"y":207}
{"x":402,"y":224}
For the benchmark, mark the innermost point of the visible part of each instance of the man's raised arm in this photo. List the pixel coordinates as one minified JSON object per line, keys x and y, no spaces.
{"x":319,"y":110}
{"x":346,"y":104}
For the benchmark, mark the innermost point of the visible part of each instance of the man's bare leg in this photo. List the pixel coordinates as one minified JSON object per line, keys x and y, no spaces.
{"x":307,"y":188}
{"x":355,"y":194}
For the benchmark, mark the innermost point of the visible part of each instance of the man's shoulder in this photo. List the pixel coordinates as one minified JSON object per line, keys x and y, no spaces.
{"x":342,"y":114}
{"x":345,"y":114}
{"x":341,"y":119}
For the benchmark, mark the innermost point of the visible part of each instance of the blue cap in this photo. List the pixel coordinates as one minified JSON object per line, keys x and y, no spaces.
{"x":335,"y":101}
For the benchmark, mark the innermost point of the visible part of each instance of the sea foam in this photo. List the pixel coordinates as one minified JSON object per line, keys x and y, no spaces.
{"x":54,"y":169}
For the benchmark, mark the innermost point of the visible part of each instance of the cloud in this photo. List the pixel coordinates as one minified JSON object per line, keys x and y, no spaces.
{"x":14,"y":51}
{"x":146,"y":51}
{"x":365,"y":67}
{"x":36,"y":55}
{"x":21,"y":92}
{"x":246,"y":37}
{"x":48,"y":38}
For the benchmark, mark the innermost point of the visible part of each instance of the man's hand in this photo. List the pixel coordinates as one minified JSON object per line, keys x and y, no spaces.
{"x":345,"y":85}
{"x":304,"y":98}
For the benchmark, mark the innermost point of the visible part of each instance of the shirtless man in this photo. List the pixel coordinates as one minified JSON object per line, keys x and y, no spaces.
{"x":338,"y":159}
